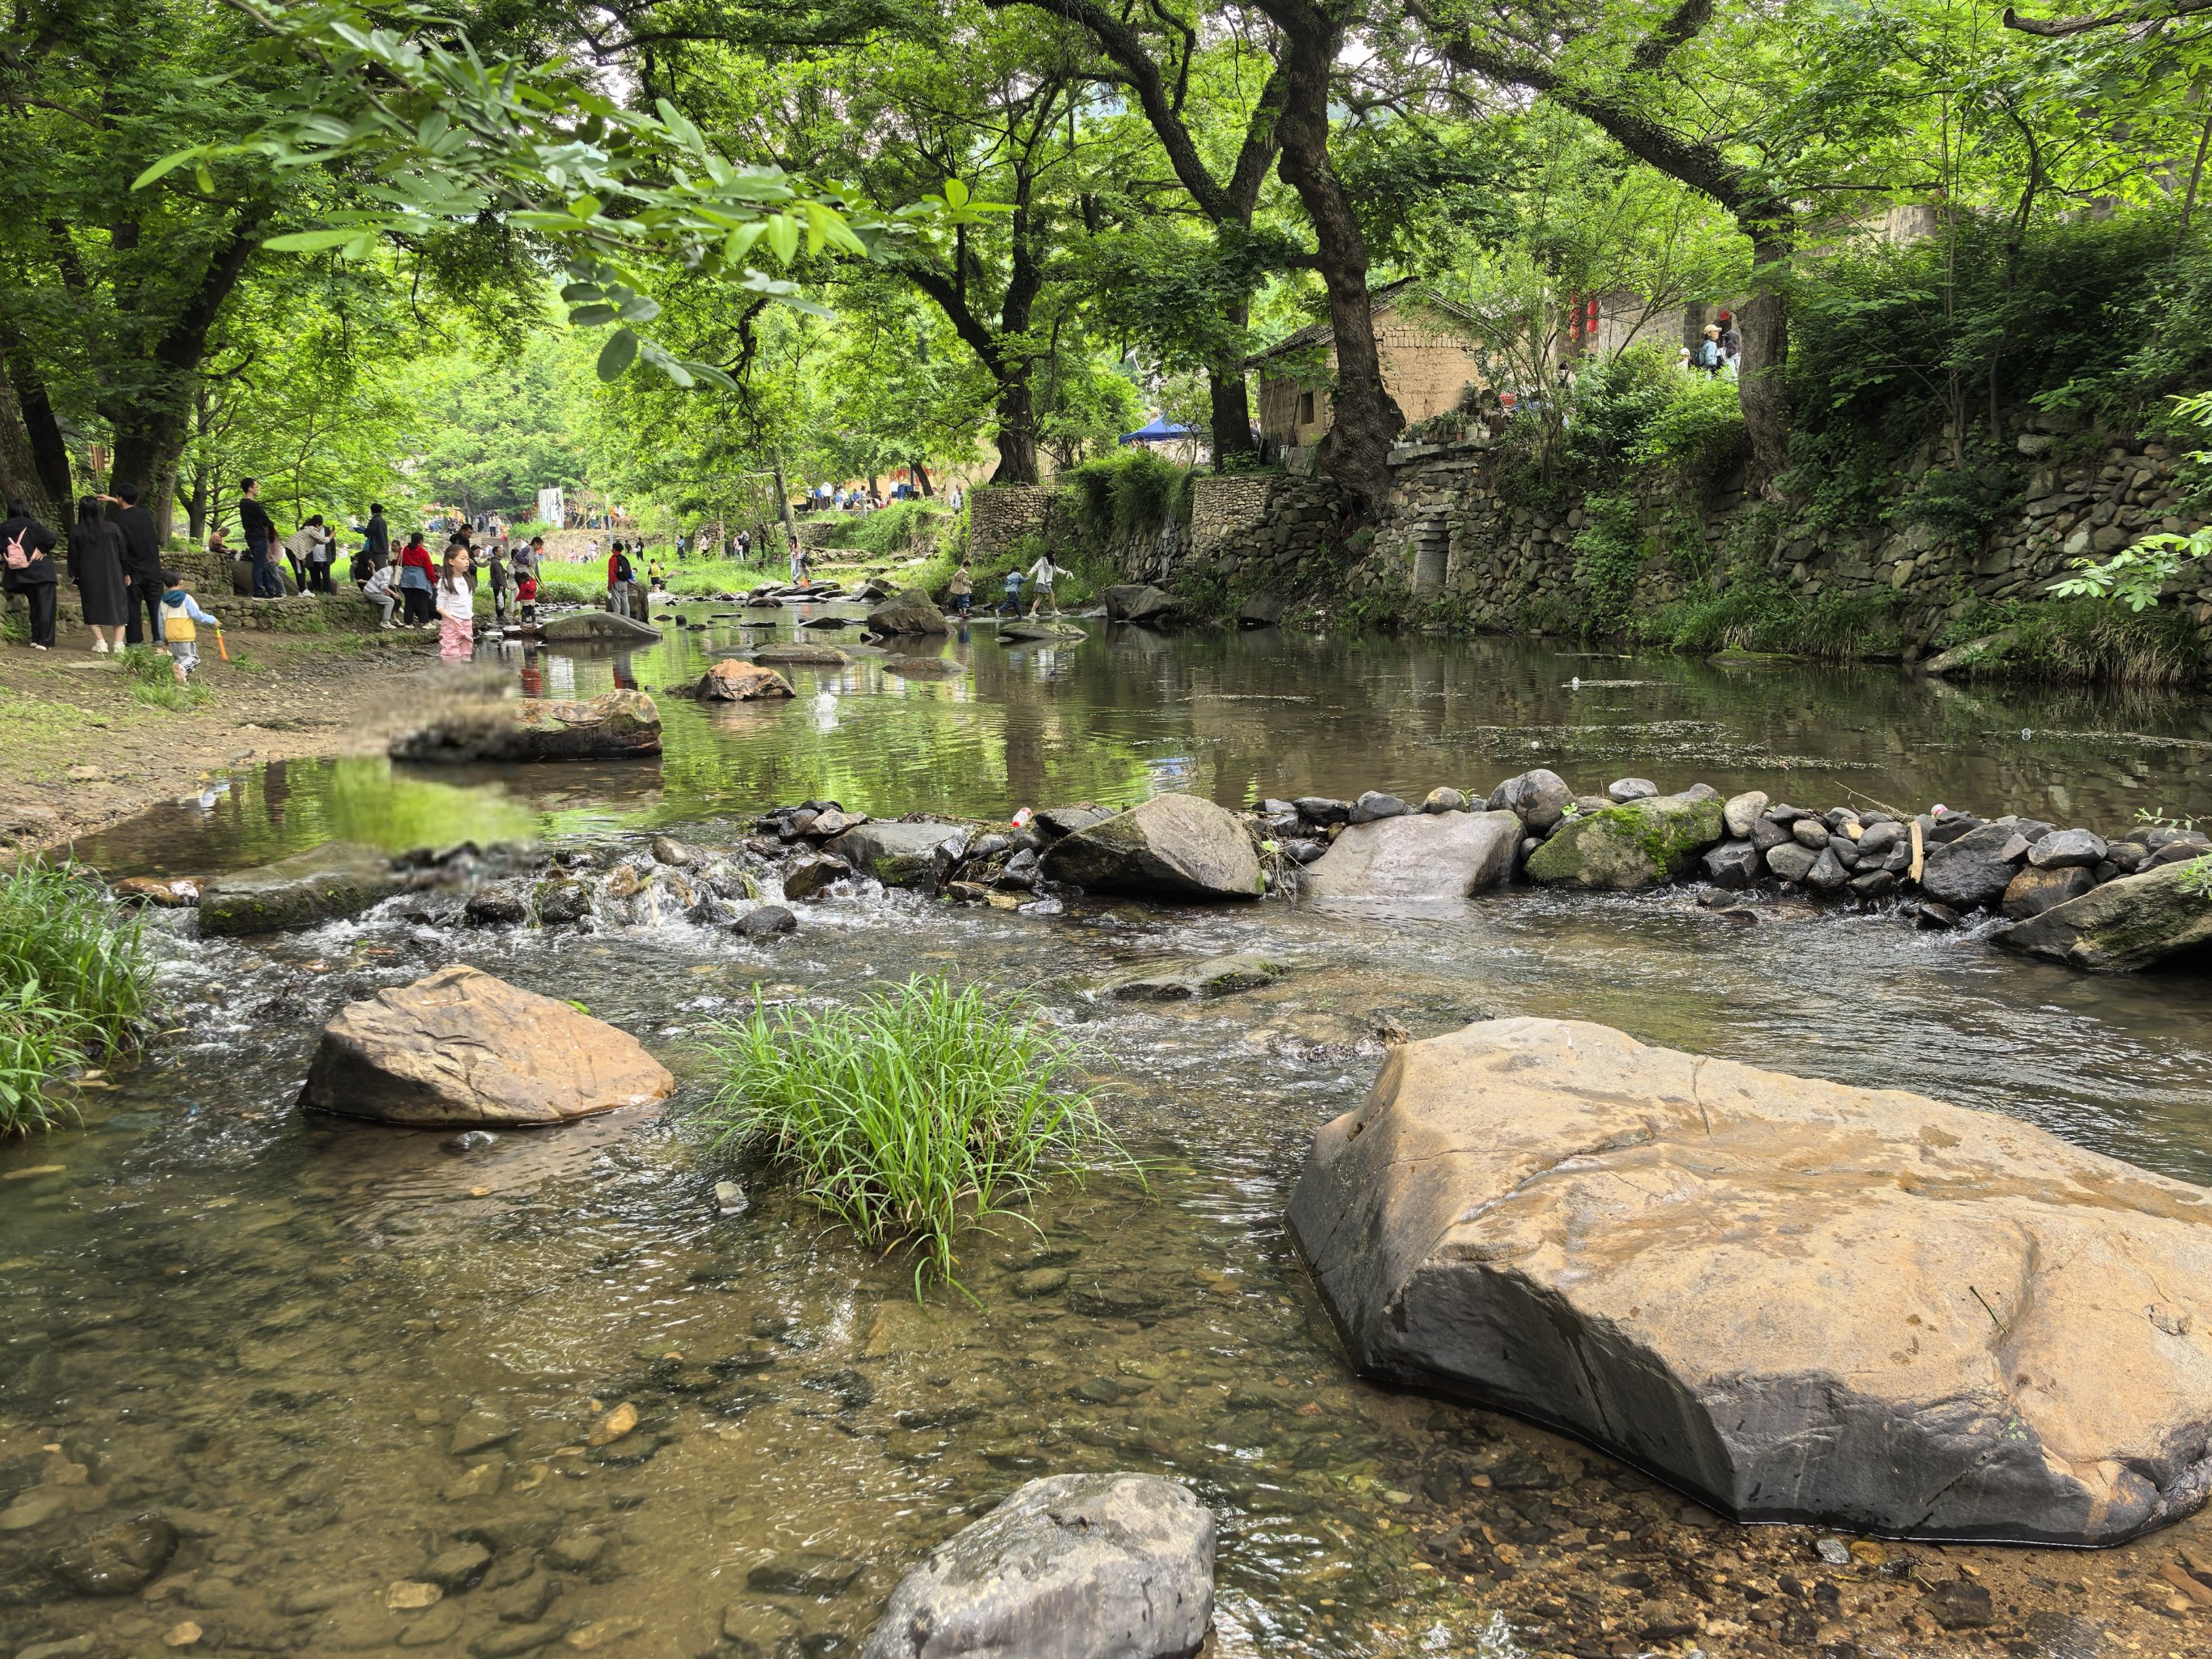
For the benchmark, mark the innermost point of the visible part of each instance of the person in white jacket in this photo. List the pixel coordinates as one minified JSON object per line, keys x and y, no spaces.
{"x":1040,"y":576}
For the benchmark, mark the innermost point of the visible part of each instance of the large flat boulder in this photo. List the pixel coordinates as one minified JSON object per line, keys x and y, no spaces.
{"x":616,"y":726}
{"x":733,"y":681}
{"x":1172,"y":847}
{"x":1640,"y":843}
{"x":461,"y":1048}
{"x":2122,"y":927}
{"x":912,"y":611}
{"x":597,"y":628}
{"x":1426,"y":856}
{"x":1139,"y":602}
{"x":324,"y":884}
{"x":1073,"y":1566}
{"x":895,"y":855}
{"x":1797,"y":1299}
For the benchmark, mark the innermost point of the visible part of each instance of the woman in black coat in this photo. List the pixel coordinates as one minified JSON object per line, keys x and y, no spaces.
{"x":95,"y":561}
{"x":28,"y":568}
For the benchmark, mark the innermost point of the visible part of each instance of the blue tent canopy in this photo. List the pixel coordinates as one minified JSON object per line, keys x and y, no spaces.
{"x":1159,"y":432}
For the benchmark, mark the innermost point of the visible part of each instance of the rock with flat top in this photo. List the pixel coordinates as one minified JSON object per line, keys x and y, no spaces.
{"x":1796,"y":1300}
{"x":1073,"y":1566}
{"x":461,"y":1049}
{"x":1442,"y":855}
{"x":597,"y":627}
{"x":328,"y":882}
{"x":614,"y":725}
{"x":1639,"y":843}
{"x":910,"y":612}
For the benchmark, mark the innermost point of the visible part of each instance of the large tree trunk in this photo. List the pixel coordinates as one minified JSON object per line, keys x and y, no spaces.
{"x":34,"y":465}
{"x":1016,"y":434}
{"x":1764,"y":391}
{"x":147,"y":452}
{"x":1365,"y":418}
{"x":1227,"y":390}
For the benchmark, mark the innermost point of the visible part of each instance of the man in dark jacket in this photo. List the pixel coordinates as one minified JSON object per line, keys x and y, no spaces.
{"x":376,"y":540}
{"x":23,"y":537}
{"x":142,"y":564}
{"x":260,"y":541}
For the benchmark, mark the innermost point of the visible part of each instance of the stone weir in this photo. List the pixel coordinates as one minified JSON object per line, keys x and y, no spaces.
{"x":2069,"y":895}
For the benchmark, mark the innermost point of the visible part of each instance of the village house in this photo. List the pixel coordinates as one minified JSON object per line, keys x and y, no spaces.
{"x":1426,"y":350}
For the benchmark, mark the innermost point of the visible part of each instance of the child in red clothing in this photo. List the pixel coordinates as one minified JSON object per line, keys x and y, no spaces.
{"x":525,"y":599}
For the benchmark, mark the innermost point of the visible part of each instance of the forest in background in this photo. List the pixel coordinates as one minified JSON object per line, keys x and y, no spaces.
{"x":662,"y":248}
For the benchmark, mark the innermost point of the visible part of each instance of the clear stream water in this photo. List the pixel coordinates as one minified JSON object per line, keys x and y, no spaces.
{"x":265,"y":1328}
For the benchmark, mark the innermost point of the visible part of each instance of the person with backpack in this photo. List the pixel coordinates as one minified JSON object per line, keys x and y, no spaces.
{"x":95,"y":565}
{"x":620,"y":577}
{"x":1706,"y":358}
{"x":27,"y":568}
{"x":180,"y":618}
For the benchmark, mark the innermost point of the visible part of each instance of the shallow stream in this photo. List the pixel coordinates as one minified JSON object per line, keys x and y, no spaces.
{"x":273,"y":1331}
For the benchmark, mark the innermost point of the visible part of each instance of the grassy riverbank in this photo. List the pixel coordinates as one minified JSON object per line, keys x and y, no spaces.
{"x":75,"y":978}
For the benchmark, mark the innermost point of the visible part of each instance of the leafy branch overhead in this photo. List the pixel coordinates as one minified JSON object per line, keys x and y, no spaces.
{"x":439,"y":137}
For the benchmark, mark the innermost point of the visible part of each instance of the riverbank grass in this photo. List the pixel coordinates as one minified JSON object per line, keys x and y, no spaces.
{"x":912,"y":1116}
{"x":74,"y":980}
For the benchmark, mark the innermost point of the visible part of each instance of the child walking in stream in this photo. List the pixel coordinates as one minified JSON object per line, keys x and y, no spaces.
{"x":457,"y":608}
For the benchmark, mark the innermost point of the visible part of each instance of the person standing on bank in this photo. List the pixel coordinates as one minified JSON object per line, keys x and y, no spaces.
{"x":376,"y":537}
{"x":95,"y":565}
{"x":27,"y":568}
{"x":260,"y":540}
{"x":417,"y":575}
{"x":142,"y":564}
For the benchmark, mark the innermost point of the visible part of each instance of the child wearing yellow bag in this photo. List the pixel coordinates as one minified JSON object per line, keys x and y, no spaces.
{"x":180,"y":618}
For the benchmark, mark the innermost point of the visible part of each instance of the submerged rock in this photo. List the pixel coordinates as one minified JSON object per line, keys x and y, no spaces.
{"x":1639,"y":844}
{"x":1073,"y":1566}
{"x":583,"y":627}
{"x":326,"y":884}
{"x":1796,"y":1299}
{"x":1442,"y":855}
{"x":801,"y":653}
{"x":1176,"y":846}
{"x":461,"y":1048}
{"x":2125,"y":925}
{"x":910,"y":612}
{"x":616,"y":726}
{"x":119,"y":1560}
{"x":1041,"y":629}
{"x":1178,"y":982}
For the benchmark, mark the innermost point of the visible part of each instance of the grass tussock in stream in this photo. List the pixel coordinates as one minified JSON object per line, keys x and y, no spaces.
{"x":912,"y":1116}
{"x":74,"y":978}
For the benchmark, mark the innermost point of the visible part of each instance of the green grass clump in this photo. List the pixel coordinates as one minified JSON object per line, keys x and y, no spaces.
{"x":911,"y":1117}
{"x":1750,"y":615}
{"x":154,"y":679}
{"x":74,"y":980}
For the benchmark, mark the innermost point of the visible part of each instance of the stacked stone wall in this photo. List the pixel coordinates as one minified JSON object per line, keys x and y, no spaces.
{"x":1450,"y":546}
{"x":998,"y":515}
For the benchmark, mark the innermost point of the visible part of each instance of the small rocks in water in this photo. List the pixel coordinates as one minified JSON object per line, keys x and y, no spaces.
{"x":479,"y":1430}
{"x":1040,"y":1281}
{"x":1932,"y":917}
{"x":613,"y":1425}
{"x":406,"y":1595}
{"x":811,"y":877}
{"x":182,"y":1634}
{"x":1323,"y":810}
{"x":1809,"y":832}
{"x":120,"y":1560}
{"x":1834,"y":1551}
{"x":767,"y":922}
{"x":483,"y":1480}
{"x":1734,"y":865}
{"x":1791,"y":861}
{"x":1959,"y":1604}
{"x":458,"y":1568}
{"x":576,"y":1549}
{"x":1374,"y":805}
{"x":1540,"y":797}
{"x":1079,"y":1566}
{"x":807,"y":1573}
{"x":470,"y":1141}
{"x":1622,"y":790}
{"x":1445,"y":800}
{"x":730,"y":1198}
{"x":1179,"y":981}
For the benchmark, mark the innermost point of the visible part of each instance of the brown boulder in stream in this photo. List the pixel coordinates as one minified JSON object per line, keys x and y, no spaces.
{"x":616,"y":726}
{"x":463,"y":1049}
{"x":910,"y":612}
{"x":1796,"y":1299}
{"x":732,"y":681}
